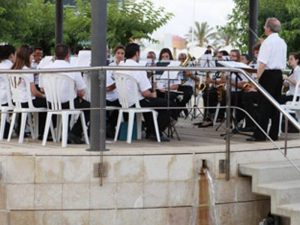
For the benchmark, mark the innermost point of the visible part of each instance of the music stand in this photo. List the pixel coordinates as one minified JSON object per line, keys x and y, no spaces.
{"x":205,"y":61}
{"x":168,"y":76}
{"x":239,"y":65}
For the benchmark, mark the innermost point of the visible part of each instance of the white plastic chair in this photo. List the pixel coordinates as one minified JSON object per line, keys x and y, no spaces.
{"x":5,"y":110}
{"x":122,"y":81}
{"x":16,"y":95}
{"x":53,"y":85}
{"x":291,"y":106}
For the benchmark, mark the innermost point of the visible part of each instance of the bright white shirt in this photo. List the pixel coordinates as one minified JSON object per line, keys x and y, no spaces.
{"x":141,"y":78}
{"x":22,"y":85}
{"x":273,"y":52}
{"x":295,"y":76}
{"x":76,"y":76}
{"x":4,"y":83}
{"x":111,"y":95}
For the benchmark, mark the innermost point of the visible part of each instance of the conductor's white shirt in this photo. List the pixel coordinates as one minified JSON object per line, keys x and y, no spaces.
{"x":76,"y":76}
{"x":141,"y":78}
{"x":4,"y":84}
{"x":273,"y":52}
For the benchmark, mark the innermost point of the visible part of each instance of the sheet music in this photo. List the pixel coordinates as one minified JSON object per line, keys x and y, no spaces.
{"x":233,"y":64}
{"x":172,"y":75}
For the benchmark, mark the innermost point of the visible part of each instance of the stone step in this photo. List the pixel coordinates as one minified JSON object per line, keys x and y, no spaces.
{"x":280,"y":181}
{"x":292,"y":211}
{"x":267,"y":172}
{"x":281,"y":192}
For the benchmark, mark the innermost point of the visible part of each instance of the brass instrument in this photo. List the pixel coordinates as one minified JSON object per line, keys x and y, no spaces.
{"x":199,"y":86}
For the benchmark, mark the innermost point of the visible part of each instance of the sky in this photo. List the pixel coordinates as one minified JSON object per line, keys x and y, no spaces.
{"x":214,"y":12}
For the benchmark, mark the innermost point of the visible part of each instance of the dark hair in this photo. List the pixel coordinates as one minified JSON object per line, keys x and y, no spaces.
{"x":237,"y":52}
{"x":131,"y":49}
{"x":6,"y":51}
{"x":61,"y":51}
{"x":224,"y":53}
{"x":37,"y":48}
{"x":23,"y":57}
{"x":165,"y":50}
{"x":246,"y":56}
{"x":118,"y":47}
{"x":207,"y":52}
{"x":256,"y":47}
{"x":296,"y":56}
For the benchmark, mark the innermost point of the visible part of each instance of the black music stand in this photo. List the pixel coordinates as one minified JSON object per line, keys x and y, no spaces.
{"x":205,"y":61}
{"x":171,"y":128}
{"x":235,"y":128}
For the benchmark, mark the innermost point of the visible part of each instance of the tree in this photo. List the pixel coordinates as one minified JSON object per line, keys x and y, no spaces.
{"x":223,"y":38}
{"x":134,"y":20}
{"x":33,"y":22}
{"x":286,"y":11}
{"x":202,"y":32}
{"x":126,"y":22}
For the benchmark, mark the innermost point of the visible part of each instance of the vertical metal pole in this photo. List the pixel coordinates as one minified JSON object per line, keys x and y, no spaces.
{"x":59,"y":22}
{"x":98,"y":79}
{"x":253,"y":18}
{"x":228,"y":121}
{"x":285,"y":135}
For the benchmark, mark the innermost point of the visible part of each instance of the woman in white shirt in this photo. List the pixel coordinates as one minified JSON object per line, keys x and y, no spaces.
{"x":293,"y":78}
{"x":23,"y":62}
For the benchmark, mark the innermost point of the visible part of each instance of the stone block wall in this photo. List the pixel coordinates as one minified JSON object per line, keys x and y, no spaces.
{"x":161,"y":189}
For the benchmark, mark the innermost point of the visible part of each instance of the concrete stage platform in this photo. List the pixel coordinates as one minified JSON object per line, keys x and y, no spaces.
{"x":144,"y":183}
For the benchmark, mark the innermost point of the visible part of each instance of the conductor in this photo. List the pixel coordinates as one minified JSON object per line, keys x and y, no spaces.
{"x":271,"y":62}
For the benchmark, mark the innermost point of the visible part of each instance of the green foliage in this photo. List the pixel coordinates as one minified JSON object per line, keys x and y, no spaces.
{"x":288,"y":12}
{"x":133,"y":20}
{"x":202,"y":32}
{"x":33,"y":22}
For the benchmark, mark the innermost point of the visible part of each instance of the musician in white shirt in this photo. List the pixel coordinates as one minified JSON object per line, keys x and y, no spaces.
{"x":146,"y":97}
{"x":7,"y":58}
{"x":293,"y":78}
{"x":271,"y":61}
{"x":111,"y":92}
{"x":62,"y":60}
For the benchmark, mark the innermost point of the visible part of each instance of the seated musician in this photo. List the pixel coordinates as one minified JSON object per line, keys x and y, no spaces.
{"x":111,"y":93}
{"x":62,"y":60}
{"x":148,"y":98}
{"x":250,"y":95}
{"x":175,"y":85}
{"x":293,"y":78}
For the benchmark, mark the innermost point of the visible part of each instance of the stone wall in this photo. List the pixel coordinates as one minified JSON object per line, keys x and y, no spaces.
{"x":154,"y":189}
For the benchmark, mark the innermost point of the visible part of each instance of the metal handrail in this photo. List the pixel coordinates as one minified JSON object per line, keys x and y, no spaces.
{"x":199,"y":69}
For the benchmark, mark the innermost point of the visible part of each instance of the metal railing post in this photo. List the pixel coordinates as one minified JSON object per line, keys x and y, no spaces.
{"x":98,"y":79}
{"x":228,"y":124}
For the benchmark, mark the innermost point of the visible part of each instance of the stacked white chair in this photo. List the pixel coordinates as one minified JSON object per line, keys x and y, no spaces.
{"x":53,"y":86}
{"x":122,"y":80}
{"x":16,"y":95}
{"x":292,"y":107}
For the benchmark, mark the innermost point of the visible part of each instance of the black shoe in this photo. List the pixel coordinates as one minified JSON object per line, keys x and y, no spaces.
{"x":206,"y":124}
{"x":73,"y":139}
{"x":152,"y":137}
{"x":163,"y":138}
{"x":253,"y":139}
